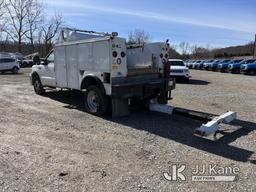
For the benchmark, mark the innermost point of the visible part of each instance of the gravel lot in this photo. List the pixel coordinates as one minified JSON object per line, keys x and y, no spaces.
{"x":49,"y":143}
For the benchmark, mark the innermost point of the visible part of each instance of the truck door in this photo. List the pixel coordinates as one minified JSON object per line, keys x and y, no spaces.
{"x":48,"y":75}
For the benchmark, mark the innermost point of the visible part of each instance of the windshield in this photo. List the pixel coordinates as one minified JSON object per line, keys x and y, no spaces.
{"x":237,"y":61}
{"x":250,"y":61}
{"x":177,"y":63}
{"x":6,"y":60}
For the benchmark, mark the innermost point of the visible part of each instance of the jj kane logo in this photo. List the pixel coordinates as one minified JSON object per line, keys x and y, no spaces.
{"x":176,"y":172}
{"x":202,"y":173}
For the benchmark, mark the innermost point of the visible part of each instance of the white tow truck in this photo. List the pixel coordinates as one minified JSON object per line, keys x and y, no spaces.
{"x":111,"y":74}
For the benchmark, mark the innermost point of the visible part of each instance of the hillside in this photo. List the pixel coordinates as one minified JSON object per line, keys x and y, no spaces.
{"x":242,"y":50}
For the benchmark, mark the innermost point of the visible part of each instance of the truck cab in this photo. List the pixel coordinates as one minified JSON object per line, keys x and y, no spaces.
{"x":43,"y":74}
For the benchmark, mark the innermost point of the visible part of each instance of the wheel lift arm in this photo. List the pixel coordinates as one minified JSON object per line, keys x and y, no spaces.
{"x":211,"y":127}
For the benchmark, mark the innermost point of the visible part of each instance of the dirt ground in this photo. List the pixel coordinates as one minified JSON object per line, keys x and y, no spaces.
{"x":50,"y":144}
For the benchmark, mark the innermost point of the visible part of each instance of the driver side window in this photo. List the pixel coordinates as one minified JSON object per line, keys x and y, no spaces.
{"x":50,"y":58}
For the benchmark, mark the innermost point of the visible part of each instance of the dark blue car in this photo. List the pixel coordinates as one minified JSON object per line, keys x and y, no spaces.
{"x":235,"y":68}
{"x":248,"y":69}
{"x":223,"y":67}
{"x":214,"y":66}
{"x":201,"y":65}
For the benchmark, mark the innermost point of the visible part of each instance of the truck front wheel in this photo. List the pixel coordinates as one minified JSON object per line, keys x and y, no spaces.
{"x":38,"y":87}
{"x":95,"y":100}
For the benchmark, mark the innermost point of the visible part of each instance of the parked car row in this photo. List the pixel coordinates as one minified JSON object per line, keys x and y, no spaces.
{"x":247,"y":66}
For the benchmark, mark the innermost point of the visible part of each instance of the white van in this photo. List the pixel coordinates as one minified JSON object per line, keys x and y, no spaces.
{"x":9,"y":64}
{"x":179,"y":70}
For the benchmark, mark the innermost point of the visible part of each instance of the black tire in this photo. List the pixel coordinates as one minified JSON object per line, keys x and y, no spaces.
{"x":252,"y":72}
{"x":24,"y":64}
{"x":95,"y":100}
{"x":236,"y":71}
{"x":15,"y":70}
{"x":38,"y":87}
{"x":186,"y":80}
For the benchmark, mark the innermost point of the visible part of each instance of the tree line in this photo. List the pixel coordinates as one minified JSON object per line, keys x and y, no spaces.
{"x":188,"y":51}
{"x":26,"y":28}
{"x":184,"y":50}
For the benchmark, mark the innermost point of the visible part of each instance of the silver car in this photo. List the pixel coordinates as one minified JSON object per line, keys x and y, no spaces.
{"x":9,"y":64}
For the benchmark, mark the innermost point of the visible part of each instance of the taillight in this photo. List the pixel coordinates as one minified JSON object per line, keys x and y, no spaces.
{"x":123,"y":54}
{"x":114,"y":54}
{"x":167,"y":69}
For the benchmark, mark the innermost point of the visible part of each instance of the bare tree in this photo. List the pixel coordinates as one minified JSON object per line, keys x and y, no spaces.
{"x":184,"y":48}
{"x":2,"y":3}
{"x":138,"y":36}
{"x":17,"y":15}
{"x":50,"y":30}
{"x":34,"y":19}
{"x":2,"y":11}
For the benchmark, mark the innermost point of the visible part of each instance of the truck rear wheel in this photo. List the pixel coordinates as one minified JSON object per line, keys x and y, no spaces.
{"x":95,"y":101}
{"x":38,"y":87}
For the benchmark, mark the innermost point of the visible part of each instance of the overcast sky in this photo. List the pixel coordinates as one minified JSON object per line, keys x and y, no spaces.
{"x":218,"y":23}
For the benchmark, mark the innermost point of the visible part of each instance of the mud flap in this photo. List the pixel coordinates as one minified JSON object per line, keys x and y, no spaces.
{"x":120,"y":107}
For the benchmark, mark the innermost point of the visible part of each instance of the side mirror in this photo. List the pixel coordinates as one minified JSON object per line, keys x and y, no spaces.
{"x":44,"y":62}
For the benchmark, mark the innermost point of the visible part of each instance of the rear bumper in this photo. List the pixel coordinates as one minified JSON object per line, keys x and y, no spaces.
{"x":142,"y":90}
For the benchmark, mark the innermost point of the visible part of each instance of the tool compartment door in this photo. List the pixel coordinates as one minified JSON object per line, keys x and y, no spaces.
{"x":60,"y":66}
{"x":72,"y":67}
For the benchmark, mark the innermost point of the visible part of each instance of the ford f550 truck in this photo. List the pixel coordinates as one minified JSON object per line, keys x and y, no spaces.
{"x":110,"y":73}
